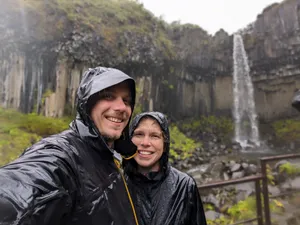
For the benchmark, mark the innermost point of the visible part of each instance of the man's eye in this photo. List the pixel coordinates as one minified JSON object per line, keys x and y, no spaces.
{"x":106,"y":95}
{"x":127,"y":101}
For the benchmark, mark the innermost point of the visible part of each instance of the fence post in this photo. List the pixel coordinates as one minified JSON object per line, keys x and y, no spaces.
{"x":265,"y":192}
{"x":258,"y":203}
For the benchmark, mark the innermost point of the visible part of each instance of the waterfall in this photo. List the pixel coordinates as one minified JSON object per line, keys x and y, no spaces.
{"x":245,"y":117}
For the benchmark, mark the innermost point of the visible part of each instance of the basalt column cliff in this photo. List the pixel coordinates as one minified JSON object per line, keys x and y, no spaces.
{"x":180,"y":69}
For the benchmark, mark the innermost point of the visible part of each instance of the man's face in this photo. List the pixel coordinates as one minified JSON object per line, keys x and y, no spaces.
{"x":148,"y":138}
{"x":112,"y":112}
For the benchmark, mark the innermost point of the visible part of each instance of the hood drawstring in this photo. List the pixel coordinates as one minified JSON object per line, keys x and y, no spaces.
{"x":118,"y":164}
{"x":130,"y":157}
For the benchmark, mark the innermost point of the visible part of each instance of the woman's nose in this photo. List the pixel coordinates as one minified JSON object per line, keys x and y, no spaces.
{"x":145,"y":141}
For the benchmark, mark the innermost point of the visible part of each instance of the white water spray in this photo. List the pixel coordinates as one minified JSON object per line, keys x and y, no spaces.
{"x":245,"y":117}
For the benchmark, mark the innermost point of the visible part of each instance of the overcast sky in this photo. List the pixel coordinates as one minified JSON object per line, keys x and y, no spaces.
{"x":211,"y":15}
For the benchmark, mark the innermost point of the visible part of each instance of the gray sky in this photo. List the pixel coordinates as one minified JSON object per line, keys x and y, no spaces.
{"x":211,"y":15}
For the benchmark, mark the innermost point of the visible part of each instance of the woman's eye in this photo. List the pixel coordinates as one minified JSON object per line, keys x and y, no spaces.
{"x":155,"y":136}
{"x":137,"y":134}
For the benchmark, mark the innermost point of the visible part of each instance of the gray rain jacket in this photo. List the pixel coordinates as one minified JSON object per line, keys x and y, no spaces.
{"x":70,"y":178}
{"x":167,"y":197}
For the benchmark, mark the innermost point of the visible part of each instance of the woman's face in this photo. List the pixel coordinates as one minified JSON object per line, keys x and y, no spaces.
{"x":148,"y":137}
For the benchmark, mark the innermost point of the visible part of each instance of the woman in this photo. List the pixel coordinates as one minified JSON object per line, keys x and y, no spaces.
{"x":162,"y":195}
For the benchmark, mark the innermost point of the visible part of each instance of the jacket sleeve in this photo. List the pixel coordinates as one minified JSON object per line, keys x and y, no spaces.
{"x":37,"y":187}
{"x":197,"y":214}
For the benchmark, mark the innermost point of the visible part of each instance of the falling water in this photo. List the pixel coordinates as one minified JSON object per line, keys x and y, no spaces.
{"x":24,"y":19}
{"x":246,"y":128}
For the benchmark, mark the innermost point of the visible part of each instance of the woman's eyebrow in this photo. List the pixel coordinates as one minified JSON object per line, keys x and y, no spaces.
{"x":137,"y":131}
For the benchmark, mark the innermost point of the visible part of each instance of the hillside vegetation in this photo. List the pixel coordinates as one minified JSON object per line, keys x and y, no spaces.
{"x":115,"y":25}
{"x":19,"y":131}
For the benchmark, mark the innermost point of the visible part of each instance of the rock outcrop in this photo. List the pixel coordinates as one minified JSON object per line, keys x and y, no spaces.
{"x":180,"y":69}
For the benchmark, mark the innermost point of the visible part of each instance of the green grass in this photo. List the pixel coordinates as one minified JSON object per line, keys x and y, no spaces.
{"x":244,"y":210}
{"x":221,"y":126}
{"x":118,"y":24}
{"x":181,"y":147}
{"x":287,"y":130}
{"x":19,"y":131}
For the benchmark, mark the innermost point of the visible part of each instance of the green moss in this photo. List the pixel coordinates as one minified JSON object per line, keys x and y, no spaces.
{"x":244,"y":210}
{"x":166,"y":83}
{"x":42,"y":125}
{"x":14,"y":142}
{"x":181,"y":146}
{"x":270,"y":176}
{"x":289,"y":169}
{"x":221,"y":126}
{"x":138,"y":106}
{"x":287,"y":130}
{"x":109,"y":19}
{"x":46,"y":94}
{"x":19,"y":131}
{"x":171,"y":86}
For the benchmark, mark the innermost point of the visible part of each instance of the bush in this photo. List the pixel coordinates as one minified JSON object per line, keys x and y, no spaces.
{"x":12,"y":144}
{"x":181,"y":146}
{"x":19,"y":131}
{"x":244,"y":210}
{"x":221,"y":126}
{"x":287,"y":130}
{"x":41,"y":125}
{"x":289,"y":169}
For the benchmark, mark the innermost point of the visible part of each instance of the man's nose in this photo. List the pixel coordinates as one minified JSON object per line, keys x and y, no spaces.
{"x":119,"y":104}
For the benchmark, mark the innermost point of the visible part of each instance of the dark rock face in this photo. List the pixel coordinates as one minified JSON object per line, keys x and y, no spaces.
{"x":273,"y":42}
{"x":180,"y":69}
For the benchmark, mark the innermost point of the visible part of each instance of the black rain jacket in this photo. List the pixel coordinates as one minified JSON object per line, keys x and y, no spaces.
{"x":70,"y":178}
{"x":167,"y":197}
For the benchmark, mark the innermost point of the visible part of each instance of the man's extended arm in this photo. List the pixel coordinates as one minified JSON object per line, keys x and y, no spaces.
{"x":36,"y":188}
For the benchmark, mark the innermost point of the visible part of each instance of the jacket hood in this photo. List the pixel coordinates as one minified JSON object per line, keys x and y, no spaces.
{"x":163,"y":122}
{"x":93,"y":81}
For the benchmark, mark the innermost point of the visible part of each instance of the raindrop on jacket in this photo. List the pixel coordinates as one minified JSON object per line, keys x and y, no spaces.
{"x":167,"y":197}
{"x":71,"y":177}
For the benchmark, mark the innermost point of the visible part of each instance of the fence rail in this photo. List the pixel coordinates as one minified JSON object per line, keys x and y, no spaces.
{"x":261,"y":220}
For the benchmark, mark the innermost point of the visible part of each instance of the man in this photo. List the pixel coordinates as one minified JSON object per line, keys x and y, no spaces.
{"x":71,"y":177}
{"x":162,"y":194}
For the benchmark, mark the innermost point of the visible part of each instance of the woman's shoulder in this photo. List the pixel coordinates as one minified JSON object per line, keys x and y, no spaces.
{"x":182,"y":176}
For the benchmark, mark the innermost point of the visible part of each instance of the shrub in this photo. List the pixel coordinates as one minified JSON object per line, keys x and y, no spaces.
{"x":19,"y":131}
{"x":181,"y":146}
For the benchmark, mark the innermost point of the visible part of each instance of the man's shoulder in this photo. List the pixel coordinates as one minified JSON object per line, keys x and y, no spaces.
{"x":61,"y":142}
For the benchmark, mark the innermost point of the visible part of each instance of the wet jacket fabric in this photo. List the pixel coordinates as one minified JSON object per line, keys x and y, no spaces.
{"x":71,"y":177}
{"x":166,"y":197}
